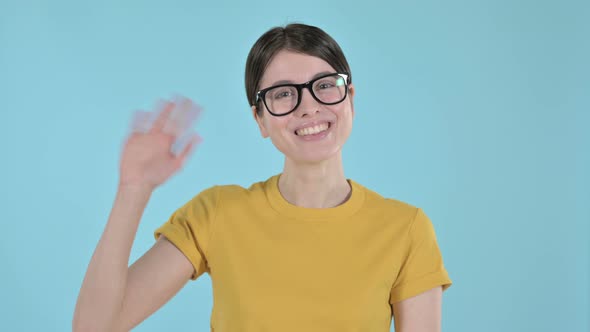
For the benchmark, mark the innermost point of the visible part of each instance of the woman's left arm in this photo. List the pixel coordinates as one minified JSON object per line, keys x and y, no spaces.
{"x":421,"y":313}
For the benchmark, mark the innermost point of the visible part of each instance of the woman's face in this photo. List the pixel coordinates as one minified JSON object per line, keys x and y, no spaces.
{"x":286,"y":131}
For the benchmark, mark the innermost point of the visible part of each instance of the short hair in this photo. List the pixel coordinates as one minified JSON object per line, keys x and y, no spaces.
{"x":296,"y":37}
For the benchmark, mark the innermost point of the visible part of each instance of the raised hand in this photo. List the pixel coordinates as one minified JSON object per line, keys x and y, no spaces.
{"x":150,"y":155}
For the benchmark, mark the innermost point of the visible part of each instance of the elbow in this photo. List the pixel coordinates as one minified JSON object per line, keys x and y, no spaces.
{"x":85,"y":324}
{"x":89,"y":327}
{"x":80,"y":324}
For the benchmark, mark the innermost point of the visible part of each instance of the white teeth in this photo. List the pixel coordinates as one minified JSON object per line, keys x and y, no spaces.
{"x":312,"y":130}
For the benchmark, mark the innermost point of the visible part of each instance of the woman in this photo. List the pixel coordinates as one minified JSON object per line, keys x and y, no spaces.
{"x":305,"y":250}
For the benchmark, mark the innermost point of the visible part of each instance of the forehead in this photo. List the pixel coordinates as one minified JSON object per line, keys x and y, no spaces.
{"x":294,"y":67}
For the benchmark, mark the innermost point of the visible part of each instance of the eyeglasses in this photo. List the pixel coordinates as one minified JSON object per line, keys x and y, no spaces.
{"x":282,"y":99}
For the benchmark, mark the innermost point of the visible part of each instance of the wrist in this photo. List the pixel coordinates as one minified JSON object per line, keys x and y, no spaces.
{"x":135,"y":187}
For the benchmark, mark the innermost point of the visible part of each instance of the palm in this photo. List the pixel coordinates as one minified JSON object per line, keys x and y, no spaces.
{"x":146,"y":158}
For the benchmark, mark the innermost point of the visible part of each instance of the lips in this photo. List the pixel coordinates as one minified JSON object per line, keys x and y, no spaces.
{"x":312,"y":128}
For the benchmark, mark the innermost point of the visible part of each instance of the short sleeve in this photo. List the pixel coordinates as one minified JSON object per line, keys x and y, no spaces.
{"x":423,"y":268}
{"x":189,"y":228}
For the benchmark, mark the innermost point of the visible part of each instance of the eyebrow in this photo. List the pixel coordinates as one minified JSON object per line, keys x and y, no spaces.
{"x":290,"y":82}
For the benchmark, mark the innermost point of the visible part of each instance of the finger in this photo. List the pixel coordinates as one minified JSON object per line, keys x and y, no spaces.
{"x":164,"y":113}
{"x":191,"y":114}
{"x":182,"y":117}
{"x":179,"y":147}
{"x":188,"y":150}
{"x":188,"y":111}
{"x":141,"y":122}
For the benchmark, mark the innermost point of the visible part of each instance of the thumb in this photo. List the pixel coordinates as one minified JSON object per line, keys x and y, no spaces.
{"x":192,"y":141}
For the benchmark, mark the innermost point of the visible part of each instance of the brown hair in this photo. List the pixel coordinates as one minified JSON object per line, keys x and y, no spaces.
{"x":294,"y":37}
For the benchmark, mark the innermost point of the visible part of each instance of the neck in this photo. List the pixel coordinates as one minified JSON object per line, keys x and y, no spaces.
{"x":321,"y":185}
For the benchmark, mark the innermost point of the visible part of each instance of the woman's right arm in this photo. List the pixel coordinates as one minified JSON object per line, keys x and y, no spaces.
{"x":113,"y":296}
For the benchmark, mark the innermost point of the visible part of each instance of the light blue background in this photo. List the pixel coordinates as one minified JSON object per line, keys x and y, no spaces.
{"x":476,"y":111}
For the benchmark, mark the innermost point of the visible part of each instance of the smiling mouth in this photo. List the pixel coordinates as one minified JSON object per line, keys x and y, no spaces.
{"x":313,"y":130}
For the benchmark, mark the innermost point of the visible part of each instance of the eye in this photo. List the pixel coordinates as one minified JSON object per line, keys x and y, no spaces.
{"x":326,"y":85}
{"x":282,"y":92}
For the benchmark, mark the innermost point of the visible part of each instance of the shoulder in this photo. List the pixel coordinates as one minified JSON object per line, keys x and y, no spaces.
{"x":388,"y":205}
{"x":236,"y":192}
{"x":226,"y":193}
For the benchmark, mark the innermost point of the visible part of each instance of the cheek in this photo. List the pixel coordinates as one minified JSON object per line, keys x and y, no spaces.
{"x":344,"y":111}
{"x":276,"y":125}
{"x":345,"y":117}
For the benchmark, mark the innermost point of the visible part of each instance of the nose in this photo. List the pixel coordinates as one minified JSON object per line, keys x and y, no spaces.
{"x":308,"y":104}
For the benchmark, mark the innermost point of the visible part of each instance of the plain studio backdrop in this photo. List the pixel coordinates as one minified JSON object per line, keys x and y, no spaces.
{"x":476,"y":111}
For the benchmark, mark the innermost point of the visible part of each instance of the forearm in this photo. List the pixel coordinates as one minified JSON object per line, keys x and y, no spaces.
{"x":103,"y":288}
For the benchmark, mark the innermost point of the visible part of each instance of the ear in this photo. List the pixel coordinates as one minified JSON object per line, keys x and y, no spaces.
{"x":260,"y":122}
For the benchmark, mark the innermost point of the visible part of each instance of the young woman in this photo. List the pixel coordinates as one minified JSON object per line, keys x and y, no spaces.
{"x":304,"y":250}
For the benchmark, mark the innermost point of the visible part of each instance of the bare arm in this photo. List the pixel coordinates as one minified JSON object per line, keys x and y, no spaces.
{"x":421,"y":313}
{"x":152,"y":281}
{"x":102,"y":291}
{"x":114,"y":296}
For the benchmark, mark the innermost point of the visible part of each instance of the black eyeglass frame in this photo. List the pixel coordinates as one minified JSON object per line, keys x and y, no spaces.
{"x":309,"y":84}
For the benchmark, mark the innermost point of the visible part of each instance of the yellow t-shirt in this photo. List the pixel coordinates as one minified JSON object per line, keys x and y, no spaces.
{"x":275,"y":266}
